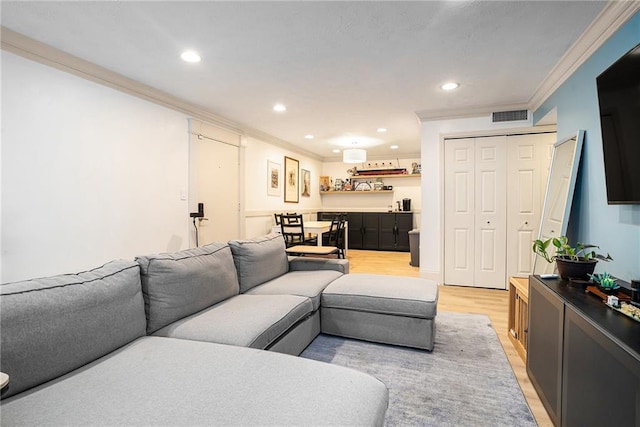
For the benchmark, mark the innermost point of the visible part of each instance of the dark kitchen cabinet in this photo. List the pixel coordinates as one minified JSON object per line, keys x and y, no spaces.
{"x":394,"y":231}
{"x":363,"y":230}
{"x":385,"y":231}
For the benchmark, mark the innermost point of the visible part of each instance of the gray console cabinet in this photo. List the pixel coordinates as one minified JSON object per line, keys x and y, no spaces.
{"x":583,"y":358}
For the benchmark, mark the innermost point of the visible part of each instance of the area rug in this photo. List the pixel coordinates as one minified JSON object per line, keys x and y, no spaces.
{"x":465,"y":381}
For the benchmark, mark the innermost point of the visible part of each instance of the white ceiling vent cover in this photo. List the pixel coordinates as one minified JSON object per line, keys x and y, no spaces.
{"x":510,"y":116}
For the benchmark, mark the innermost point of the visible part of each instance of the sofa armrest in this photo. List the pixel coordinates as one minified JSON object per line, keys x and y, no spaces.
{"x":299,"y":263}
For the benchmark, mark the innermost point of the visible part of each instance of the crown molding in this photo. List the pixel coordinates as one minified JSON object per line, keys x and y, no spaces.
{"x":611,"y":18}
{"x":34,"y":50}
{"x":462,"y":113}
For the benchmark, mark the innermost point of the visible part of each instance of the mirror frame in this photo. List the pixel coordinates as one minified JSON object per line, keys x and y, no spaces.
{"x":554,"y":169}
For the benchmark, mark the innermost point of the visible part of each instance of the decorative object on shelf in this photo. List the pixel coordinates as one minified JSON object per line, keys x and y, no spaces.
{"x":606,"y":283}
{"x":305,"y":175}
{"x":597,"y":291}
{"x":325,"y":183}
{"x":337,"y":185}
{"x":273,"y":178}
{"x":416,"y":168}
{"x":572,"y":262}
{"x":363,"y":186}
{"x":396,"y":171}
{"x":347,"y":185}
{"x":291,"y":193}
{"x":627,"y":309}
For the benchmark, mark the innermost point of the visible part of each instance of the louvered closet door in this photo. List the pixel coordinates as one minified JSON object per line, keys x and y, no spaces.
{"x":459,"y":211}
{"x":490,"y":212}
{"x":528,"y":159}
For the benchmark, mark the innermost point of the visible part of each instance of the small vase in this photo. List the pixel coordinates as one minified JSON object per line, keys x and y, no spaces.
{"x":572,"y":269}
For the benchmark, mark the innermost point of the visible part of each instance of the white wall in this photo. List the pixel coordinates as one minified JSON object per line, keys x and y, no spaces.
{"x":89,"y":174}
{"x":260,"y":207}
{"x":431,"y":222}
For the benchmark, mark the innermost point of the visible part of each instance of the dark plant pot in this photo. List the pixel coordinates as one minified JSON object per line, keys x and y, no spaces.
{"x":571,"y":269}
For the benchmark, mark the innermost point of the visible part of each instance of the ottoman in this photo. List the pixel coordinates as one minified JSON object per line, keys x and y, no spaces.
{"x":386,"y":309}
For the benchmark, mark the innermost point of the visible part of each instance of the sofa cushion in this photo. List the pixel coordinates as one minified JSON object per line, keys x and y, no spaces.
{"x":53,"y":325}
{"x":254,"y":321}
{"x":176,"y":285}
{"x":259,"y":260}
{"x":304,"y":283}
{"x":167,"y":382}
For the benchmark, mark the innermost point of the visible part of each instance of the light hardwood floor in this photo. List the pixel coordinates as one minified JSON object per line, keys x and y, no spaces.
{"x":490,"y":302}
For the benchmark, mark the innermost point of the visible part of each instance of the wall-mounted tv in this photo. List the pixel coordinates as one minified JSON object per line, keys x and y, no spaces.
{"x":619,"y":100}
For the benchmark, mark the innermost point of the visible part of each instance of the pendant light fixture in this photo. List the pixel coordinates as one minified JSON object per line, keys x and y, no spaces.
{"x":354,"y":155}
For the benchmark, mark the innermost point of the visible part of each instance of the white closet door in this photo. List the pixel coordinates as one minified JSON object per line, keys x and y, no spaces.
{"x":490,"y":212}
{"x":459,"y":211}
{"x":528,"y":159}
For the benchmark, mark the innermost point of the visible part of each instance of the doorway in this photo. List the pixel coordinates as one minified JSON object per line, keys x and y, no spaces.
{"x":214,"y":180}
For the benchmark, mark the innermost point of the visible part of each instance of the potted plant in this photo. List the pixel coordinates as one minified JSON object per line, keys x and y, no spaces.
{"x":573,"y":262}
{"x":605,"y":282}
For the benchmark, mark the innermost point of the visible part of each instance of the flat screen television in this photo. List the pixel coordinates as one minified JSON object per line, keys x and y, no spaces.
{"x":619,"y":101}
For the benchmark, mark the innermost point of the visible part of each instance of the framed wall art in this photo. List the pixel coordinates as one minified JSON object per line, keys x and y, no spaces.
{"x":325,"y":183}
{"x":291,"y":184}
{"x":273,"y":178}
{"x":305,"y":183}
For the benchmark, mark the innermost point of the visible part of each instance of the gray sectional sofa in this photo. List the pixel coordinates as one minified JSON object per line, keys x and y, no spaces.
{"x":179,"y":339}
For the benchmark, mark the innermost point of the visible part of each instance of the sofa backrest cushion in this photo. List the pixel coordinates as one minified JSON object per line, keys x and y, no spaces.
{"x":53,"y":325}
{"x":179,"y":284}
{"x":259,"y":260}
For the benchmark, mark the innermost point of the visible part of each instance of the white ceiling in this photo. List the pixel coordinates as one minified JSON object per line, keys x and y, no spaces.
{"x":343,"y":69}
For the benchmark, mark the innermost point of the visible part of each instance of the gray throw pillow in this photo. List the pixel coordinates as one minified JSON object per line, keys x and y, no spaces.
{"x":259,"y":260}
{"x":179,"y":284}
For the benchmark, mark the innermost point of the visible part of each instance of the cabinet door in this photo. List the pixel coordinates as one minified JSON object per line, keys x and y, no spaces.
{"x":370,"y":237}
{"x":356,"y":230}
{"x":404,"y":224}
{"x":387,"y":222}
{"x":544,"y":350}
{"x":601,"y":381}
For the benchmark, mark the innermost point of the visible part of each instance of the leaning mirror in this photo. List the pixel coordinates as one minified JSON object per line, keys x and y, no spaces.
{"x":559,"y":195}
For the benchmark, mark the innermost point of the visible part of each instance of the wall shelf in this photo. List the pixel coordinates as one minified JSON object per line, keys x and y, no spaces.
{"x":322,"y":193}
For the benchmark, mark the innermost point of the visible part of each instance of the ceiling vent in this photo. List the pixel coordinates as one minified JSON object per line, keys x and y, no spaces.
{"x":510,"y":116}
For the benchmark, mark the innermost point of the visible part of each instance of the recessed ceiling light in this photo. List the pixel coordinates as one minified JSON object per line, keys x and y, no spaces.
{"x":308,"y":136}
{"x":394,"y":147}
{"x":279,"y":108}
{"x":335,"y":150}
{"x":382,"y":130}
{"x":190,"y":56}
{"x":450,"y":86}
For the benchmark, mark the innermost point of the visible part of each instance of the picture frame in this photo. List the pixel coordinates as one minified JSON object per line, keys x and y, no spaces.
{"x":291,"y":180}
{"x":273,"y":178}
{"x":305,"y":183}
{"x":325,"y":183}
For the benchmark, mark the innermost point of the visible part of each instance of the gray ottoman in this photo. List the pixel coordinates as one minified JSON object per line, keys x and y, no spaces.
{"x":386,"y":309}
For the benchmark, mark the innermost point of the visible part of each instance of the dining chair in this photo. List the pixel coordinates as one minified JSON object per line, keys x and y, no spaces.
{"x":292,"y":228}
{"x":336,"y":233}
